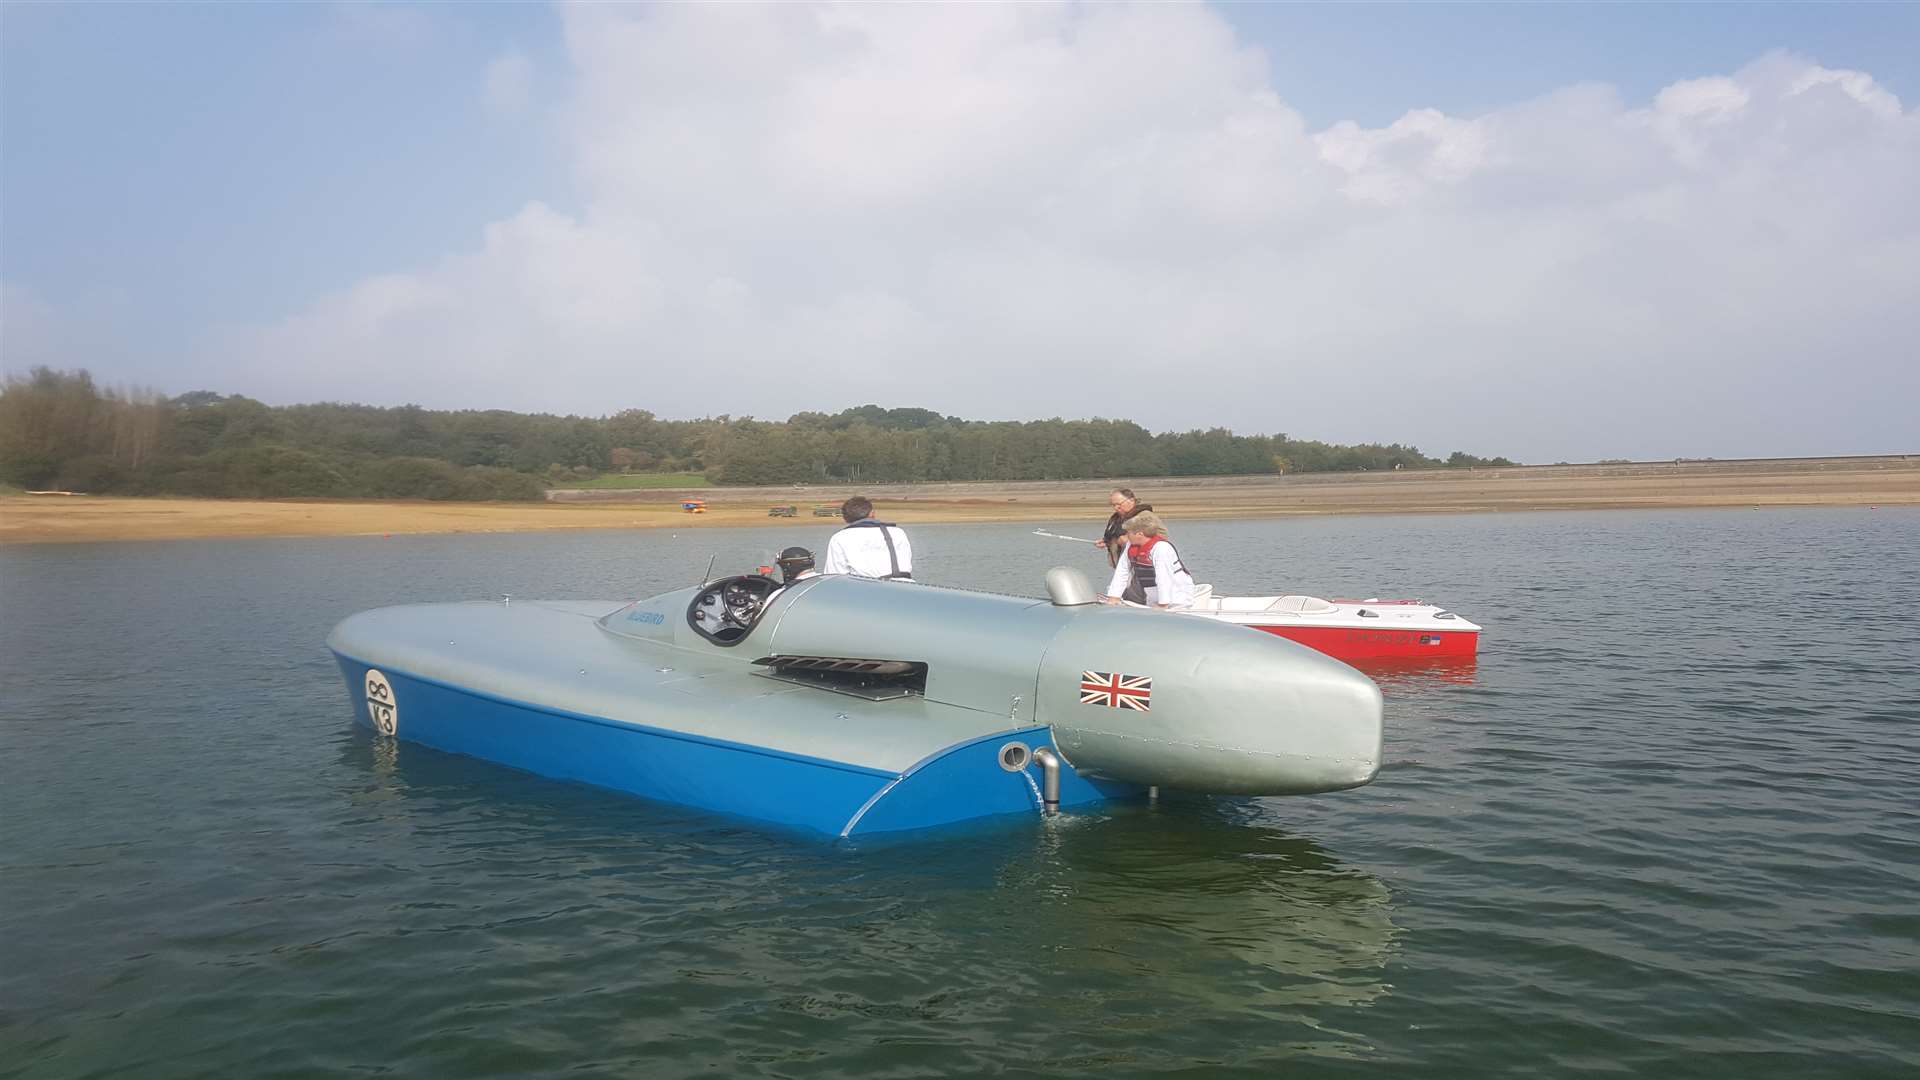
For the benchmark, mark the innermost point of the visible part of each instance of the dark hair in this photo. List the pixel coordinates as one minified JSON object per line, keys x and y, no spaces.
{"x":1125,"y":493}
{"x":855,"y":509}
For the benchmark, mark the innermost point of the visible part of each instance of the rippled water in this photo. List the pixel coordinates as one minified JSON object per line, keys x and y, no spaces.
{"x":1668,"y":826}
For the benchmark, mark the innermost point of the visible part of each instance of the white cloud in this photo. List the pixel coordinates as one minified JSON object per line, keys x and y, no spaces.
{"x":1014,"y":210}
{"x":1394,"y":164}
{"x":1857,"y":85}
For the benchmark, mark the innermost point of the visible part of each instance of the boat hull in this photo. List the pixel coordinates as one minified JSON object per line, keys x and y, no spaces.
{"x":1352,"y":643}
{"x":1352,"y":631}
{"x":816,"y":795}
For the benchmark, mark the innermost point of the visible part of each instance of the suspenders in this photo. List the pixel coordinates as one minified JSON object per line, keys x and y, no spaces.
{"x":893,"y":556}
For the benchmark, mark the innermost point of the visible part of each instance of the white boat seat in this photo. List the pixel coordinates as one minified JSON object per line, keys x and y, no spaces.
{"x":1302,"y":605}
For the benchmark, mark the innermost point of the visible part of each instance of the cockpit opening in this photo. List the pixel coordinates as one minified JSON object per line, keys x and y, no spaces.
{"x":725,"y":611}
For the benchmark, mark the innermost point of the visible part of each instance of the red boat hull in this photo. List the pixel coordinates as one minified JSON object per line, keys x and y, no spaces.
{"x":1352,"y":643}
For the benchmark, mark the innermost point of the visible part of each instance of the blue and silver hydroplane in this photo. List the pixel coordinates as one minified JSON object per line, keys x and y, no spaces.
{"x":846,"y":706}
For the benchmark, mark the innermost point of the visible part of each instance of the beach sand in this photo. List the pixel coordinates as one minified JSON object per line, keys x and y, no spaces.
{"x":1874,"y":481}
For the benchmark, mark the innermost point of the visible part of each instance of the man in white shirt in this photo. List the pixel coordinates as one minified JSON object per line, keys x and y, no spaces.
{"x":868,"y":548}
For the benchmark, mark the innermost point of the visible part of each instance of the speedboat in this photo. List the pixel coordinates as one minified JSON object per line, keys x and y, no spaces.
{"x":1349,"y":630}
{"x":845,"y":706}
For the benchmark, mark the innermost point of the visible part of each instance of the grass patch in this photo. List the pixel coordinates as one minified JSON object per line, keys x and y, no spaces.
{"x":633,"y":481}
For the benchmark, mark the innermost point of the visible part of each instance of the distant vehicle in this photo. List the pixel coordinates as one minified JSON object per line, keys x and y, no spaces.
{"x":826,"y":511}
{"x":782,"y":511}
{"x":694,"y":506}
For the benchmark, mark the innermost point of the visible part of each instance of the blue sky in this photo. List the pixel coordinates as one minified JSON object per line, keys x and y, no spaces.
{"x":174,"y":175}
{"x":182,"y":164}
{"x":1372,"y":62}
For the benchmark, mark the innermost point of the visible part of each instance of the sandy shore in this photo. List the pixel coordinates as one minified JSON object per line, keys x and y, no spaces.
{"x":1876,"y":481}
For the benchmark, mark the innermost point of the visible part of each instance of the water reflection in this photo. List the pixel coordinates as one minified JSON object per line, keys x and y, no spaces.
{"x":1149,"y":918}
{"x":1154,"y":924}
{"x":1401,"y":674}
{"x":1175,"y":889}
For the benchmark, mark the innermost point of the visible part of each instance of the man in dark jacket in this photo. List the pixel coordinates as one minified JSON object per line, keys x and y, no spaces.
{"x":1115,"y":538}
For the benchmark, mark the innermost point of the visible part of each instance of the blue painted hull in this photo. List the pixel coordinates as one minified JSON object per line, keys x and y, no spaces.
{"x":960,"y":782}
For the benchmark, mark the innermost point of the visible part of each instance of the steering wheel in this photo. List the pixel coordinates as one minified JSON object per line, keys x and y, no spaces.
{"x":740,"y":605}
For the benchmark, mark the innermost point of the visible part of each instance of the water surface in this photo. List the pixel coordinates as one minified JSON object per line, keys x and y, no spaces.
{"x":1666,"y":827}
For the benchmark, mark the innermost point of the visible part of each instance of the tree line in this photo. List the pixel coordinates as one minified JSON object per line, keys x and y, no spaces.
{"x":58,"y":429}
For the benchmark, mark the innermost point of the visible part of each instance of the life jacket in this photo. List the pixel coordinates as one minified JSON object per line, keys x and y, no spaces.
{"x":893,"y":556}
{"x":1115,"y":536}
{"x":1140,"y":558}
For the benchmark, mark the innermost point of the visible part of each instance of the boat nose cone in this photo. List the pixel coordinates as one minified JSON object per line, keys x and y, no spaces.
{"x":1231,"y":710}
{"x":1305,"y":721}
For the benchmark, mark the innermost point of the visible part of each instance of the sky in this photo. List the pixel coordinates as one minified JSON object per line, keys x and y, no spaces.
{"x":1551,"y":232}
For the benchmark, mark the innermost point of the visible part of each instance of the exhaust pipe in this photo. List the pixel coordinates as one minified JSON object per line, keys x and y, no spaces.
{"x":1049,"y":763}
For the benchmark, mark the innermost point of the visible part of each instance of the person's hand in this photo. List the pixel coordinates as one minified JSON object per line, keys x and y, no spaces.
{"x":1109,"y":599}
{"x":1099,"y":543}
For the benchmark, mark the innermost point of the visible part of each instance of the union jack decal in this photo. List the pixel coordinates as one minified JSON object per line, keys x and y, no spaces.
{"x":1116,"y":691}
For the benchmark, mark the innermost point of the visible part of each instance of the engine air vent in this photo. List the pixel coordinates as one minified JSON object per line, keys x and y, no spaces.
{"x":874,"y":680}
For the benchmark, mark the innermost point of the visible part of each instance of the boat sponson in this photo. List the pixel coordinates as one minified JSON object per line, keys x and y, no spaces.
{"x":1232,"y":712}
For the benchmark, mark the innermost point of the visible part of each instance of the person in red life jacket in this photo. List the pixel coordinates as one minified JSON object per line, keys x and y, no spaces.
{"x":1152,"y":562}
{"x":1114,"y":540}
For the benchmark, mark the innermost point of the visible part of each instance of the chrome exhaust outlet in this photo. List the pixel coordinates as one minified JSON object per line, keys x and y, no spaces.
{"x":1049,"y":763}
